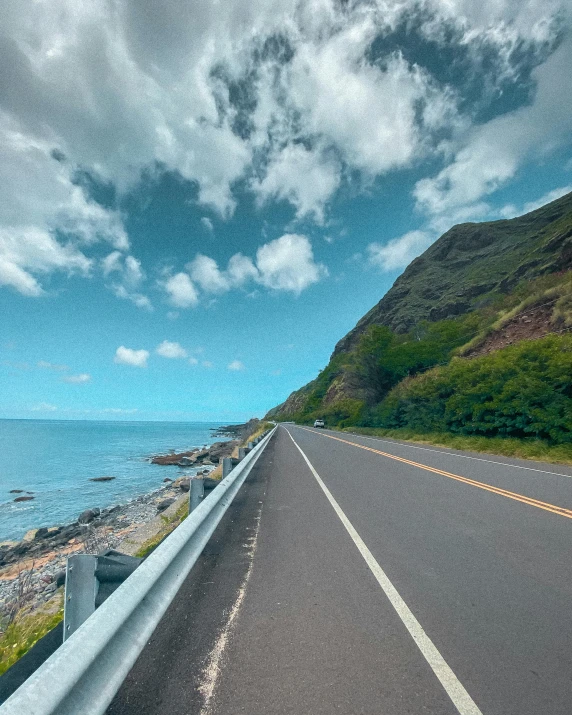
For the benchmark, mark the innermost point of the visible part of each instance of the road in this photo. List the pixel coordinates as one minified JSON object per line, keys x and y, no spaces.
{"x":358,"y":575}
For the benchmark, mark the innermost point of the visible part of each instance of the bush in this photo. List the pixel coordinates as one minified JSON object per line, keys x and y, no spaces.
{"x":521,"y":391}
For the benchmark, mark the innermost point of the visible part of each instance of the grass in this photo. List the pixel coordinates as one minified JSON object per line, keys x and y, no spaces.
{"x":171,"y":524}
{"x":262,"y":427}
{"x":507,"y":447}
{"x":23,"y":633}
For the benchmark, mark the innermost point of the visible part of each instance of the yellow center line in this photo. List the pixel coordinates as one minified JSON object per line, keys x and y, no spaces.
{"x":481,"y":485}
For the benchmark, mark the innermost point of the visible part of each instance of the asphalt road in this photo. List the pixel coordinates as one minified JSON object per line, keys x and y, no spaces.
{"x":384,"y":578}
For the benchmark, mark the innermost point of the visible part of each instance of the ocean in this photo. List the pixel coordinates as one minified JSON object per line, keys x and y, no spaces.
{"x":56,"y":459}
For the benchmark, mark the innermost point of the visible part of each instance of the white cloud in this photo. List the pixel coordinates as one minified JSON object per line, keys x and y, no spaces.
{"x":51,"y":366}
{"x":127,"y":356}
{"x":398,"y":252}
{"x":235,"y":366}
{"x":80,"y":379}
{"x":44,"y":407}
{"x":171,"y":350}
{"x":306,"y":178}
{"x":287,"y":264}
{"x":193,"y":361}
{"x":207,"y":223}
{"x":207,"y":364}
{"x":325,"y":115}
{"x":182,"y":293}
{"x":240,"y":270}
{"x":129,"y":276}
{"x":205,"y":272}
{"x":492,"y":153}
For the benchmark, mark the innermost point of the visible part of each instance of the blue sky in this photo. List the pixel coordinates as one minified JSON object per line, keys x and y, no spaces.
{"x":198,"y":200}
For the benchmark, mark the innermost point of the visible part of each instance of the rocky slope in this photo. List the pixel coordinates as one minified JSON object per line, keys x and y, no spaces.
{"x":462,"y":281}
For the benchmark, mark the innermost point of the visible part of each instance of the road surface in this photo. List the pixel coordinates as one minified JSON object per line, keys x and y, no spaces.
{"x":361,"y":576}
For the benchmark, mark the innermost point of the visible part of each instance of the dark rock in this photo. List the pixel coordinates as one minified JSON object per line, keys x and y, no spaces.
{"x":102,"y":479}
{"x":167,"y":479}
{"x":164,"y":504}
{"x":88,"y":515}
{"x":41,"y":533}
{"x":60,"y":578}
{"x":24,"y":498}
{"x":16,"y":491}
{"x":218,"y":450}
{"x":182,"y":483}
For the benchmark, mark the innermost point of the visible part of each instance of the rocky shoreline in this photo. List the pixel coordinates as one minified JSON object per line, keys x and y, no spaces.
{"x":32,"y":571}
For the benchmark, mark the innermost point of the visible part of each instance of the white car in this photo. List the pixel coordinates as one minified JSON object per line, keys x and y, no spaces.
{"x":319,"y":423}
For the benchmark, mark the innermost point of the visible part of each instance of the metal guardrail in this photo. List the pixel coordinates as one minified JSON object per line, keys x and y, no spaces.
{"x":83,"y":675}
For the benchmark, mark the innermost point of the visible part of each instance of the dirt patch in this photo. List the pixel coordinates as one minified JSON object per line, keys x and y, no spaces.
{"x":531,"y":324}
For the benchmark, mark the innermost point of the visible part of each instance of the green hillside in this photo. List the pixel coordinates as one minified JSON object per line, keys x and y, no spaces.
{"x":474,"y":293}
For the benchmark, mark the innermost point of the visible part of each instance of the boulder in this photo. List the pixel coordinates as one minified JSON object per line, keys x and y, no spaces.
{"x":167,"y":479}
{"x":30,"y":535}
{"x":24,"y":498}
{"x":16,"y":491}
{"x":218,"y":450}
{"x":182,"y":483}
{"x":102,"y":479}
{"x":164,"y":504}
{"x":88,"y":516}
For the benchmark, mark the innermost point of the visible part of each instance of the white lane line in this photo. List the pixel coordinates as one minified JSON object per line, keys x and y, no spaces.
{"x":452,"y":454}
{"x":453,"y":687}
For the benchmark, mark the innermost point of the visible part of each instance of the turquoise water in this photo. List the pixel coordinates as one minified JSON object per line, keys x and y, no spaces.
{"x":55,"y":460}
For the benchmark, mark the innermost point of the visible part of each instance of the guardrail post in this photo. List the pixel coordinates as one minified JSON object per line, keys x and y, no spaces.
{"x":80,"y":591}
{"x":226,"y":466}
{"x":196,"y":493}
{"x":241,"y":452}
{"x":250,"y":445}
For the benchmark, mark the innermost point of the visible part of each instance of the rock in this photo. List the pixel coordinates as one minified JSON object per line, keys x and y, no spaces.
{"x":182,"y":483}
{"x":30,"y":535}
{"x":218,"y":450}
{"x":41,"y":533}
{"x":102,"y":479}
{"x":164,"y":504}
{"x":211,"y":483}
{"x":24,"y":498}
{"x":167,"y":479}
{"x":16,"y":491}
{"x":60,"y":578}
{"x":88,"y":515}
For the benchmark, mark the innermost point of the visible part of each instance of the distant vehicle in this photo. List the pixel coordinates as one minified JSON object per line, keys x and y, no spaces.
{"x":319,"y":423}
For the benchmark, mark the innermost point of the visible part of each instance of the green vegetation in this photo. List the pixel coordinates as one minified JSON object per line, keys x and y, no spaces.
{"x":171,"y":524}
{"x":410,"y":363}
{"x":262,"y":427}
{"x":20,"y":635}
{"x":522,"y":391}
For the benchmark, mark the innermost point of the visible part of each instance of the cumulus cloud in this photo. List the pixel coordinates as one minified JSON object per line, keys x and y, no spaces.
{"x":127,"y":356}
{"x":235,"y":366}
{"x":80,"y":379}
{"x":492,"y":153}
{"x":171,"y":350}
{"x":181,"y":291}
{"x":207,"y":223}
{"x":288,"y":96}
{"x":399,"y":252}
{"x":287,"y":264}
{"x":127,"y":277}
{"x":510,"y":210}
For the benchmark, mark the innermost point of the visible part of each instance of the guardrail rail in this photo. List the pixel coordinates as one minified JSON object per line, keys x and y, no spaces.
{"x":82,"y":676}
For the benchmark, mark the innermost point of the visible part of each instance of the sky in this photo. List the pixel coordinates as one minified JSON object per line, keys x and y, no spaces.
{"x":199,"y":199}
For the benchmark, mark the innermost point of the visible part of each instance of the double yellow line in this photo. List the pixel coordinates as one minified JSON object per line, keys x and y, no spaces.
{"x":561,"y":511}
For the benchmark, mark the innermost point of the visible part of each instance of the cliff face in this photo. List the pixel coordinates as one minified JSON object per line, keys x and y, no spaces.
{"x":470,"y":268}
{"x":471,"y":263}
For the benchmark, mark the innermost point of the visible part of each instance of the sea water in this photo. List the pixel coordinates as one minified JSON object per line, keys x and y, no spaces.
{"x":56,"y":459}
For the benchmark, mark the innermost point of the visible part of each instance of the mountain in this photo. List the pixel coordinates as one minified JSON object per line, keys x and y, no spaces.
{"x":449,"y":300}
